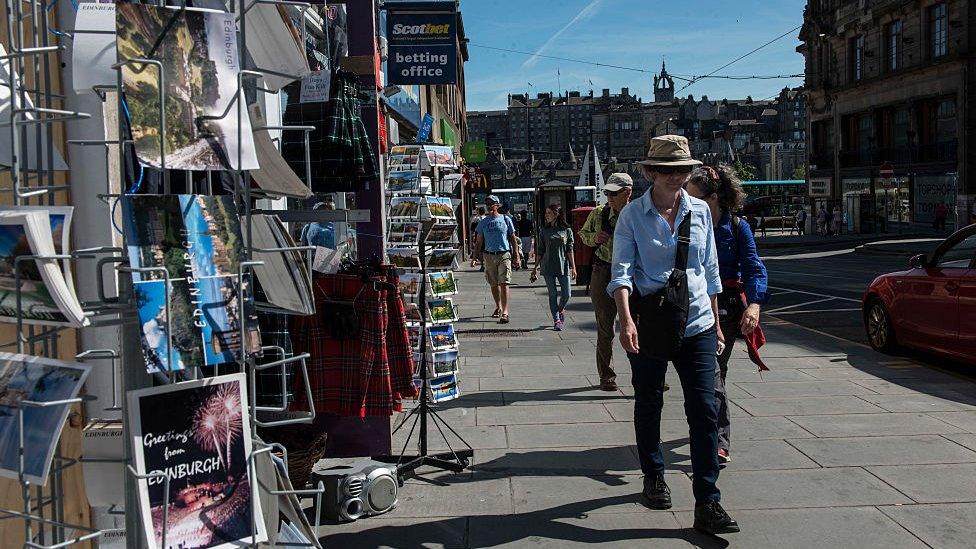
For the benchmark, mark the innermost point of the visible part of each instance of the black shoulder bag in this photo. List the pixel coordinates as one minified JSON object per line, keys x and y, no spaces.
{"x":662,"y":317}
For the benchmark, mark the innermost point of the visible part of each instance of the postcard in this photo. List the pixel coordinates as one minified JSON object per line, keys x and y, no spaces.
{"x":403,"y":181}
{"x":204,"y":111}
{"x":444,"y":362}
{"x":413,"y":330}
{"x":441,"y":310}
{"x":405,"y":206}
{"x":201,"y":444}
{"x":47,"y":293}
{"x":404,"y":150}
{"x":284,"y":277}
{"x":404,"y":233}
{"x":34,"y":379}
{"x":404,"y":258}
{"x":411,"y":312}
{"x":444,"y":388}
{"x":93,"y":46}
{"x":440,"y":207}
{"x":442,"y":337}
{"x":449,"y":183}
{"x":31,"y":131}
{"x":440,"y":155}
{"x":441,"y":259}
{"x":442,"y":234}
{"x":442,"y":283}
{"x":198,"y":240}
{"x":409,"y":284}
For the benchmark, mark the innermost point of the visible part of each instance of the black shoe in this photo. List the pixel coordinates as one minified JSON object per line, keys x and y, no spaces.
{"x":710,"y":518}
{"x":656,"y":494}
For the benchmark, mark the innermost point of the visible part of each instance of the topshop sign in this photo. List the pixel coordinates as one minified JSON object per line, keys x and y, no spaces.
{"x":422,"y":47}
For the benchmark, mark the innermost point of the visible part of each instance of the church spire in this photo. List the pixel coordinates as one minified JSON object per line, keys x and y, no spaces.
{"x":663,"y":85}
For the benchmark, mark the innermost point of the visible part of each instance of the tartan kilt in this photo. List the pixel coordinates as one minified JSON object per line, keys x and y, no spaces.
{"x":367,"y":375}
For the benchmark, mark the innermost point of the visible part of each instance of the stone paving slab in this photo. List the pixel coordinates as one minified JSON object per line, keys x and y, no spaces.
{"x":947,"y":525}
{"x":534,"y":382}
{"x":746,"y":428}
{"x":917,"y":450}
{"x":807,"y":406}
{"x":540,"y":493}
{"x":467,"y":495}
{"x":805,"y":488}
{"x":966,"y":440}
{"x":860,"y":527}
{"x":941,"y":483}
{"x":581,"y":529}
{"x":750,"y":455}
{"x":782,"y":389}
{"x":869,"y":425}
{"x":384,"y":532}
{"x":963,"y":420}
{"x":624,"y":411}
{"x":545,"y":413}
{"x":583,"y":434}
{"x":920,"y":403}
{"x":573,"y":461}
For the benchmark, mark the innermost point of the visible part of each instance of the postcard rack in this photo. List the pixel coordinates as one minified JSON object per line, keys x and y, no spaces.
{"x":31,"y":71}
{"x":424,"y":414}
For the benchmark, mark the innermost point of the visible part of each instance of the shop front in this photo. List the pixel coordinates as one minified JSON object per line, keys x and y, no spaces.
{"x":930,"y":191}
{"x":857,"y":205}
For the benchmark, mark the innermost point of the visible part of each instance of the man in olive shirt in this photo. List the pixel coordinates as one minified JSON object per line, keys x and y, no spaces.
{"x":597,"y":233}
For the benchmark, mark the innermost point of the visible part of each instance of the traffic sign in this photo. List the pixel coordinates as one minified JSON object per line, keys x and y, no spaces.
{"x":886,"y":170}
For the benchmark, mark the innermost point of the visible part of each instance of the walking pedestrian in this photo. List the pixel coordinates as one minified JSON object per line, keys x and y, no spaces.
{"x":941,"y":213}
{"x":664,"y":253}
{"x":762,"y":224}
{"x":801,"y":221}
{"x":475,"y":219}
{"x":742,"y":272}
{"x":597,"y":233}
{"x":526,"y":233}
{"x":500,"y":253}
{"x":554,"y":257}
{"x":835,"y":220}
{"x":822,"y":221}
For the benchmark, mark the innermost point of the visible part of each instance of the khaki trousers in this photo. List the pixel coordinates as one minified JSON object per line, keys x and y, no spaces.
{"x":605,"y":310}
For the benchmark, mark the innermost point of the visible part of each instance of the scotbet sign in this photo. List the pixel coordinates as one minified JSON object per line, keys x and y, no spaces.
{"x":422,"y":47}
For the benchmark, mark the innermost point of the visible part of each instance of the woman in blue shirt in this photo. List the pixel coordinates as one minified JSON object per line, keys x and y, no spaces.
{"x":554,"y":255}
{"x":742,"y":272}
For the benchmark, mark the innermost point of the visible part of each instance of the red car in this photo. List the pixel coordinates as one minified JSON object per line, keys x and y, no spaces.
{"x":932,"y":305}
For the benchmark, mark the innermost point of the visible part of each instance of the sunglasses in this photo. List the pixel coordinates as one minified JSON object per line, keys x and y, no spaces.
{"x":612,"y":194}
{"x":668,"y":170}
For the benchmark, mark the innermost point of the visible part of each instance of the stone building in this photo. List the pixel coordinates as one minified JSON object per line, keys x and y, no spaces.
{"x":888,"y":89}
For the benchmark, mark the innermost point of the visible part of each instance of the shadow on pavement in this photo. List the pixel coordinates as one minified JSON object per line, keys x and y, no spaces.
{"x":495,"y":530}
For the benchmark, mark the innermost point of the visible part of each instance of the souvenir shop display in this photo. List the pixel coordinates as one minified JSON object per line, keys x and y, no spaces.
{"x":274,"y":178}
{"x":284,"y":278}
{"x":33,"y":132}
{"x":432,"y":339}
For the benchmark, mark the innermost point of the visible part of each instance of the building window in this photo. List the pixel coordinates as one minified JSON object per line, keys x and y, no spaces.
{"x":938,"y":30}
{"x":893,"y":39}
{"x":857,"y":57}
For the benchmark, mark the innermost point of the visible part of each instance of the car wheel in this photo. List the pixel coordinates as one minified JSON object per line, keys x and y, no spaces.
{"x":877,"y":323}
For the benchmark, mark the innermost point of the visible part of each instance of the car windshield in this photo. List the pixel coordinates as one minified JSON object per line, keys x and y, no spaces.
{"x":960,"y":255}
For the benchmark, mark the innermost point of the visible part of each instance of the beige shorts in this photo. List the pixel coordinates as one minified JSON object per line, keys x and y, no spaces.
{"x":498,"y":268}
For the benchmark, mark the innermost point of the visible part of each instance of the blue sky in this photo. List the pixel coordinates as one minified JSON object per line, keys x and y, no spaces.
{"x":694,"y":36}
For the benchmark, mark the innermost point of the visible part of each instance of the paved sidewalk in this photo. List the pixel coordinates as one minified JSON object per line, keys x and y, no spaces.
{"x":838,"y":446}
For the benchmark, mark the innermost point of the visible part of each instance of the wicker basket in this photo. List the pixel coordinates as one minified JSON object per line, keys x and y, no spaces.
{"x":305,"y":447}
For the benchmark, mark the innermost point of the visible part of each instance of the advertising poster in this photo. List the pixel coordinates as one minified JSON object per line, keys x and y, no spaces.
{"x":422,"y":47}
{"x":201,"y":443}
{"x":198,"y":52}
{"x":198,"y":240}
{"x":34,"y":379}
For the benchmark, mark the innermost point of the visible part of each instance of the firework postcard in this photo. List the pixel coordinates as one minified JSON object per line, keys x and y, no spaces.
{"x":441,"y":310}
{"x":441,"y":207}
{"x":198,"y":240}
{"x":403,"y":181}
{"x":198,"y":52}
{"x":442,"y":234}
{"x":34,"y":379}
{"x":442,"y":283}
{"x":441,"y":259}
{"x":201,"y":443}
{"x":442,"y":337}
{"x":405,"y":207}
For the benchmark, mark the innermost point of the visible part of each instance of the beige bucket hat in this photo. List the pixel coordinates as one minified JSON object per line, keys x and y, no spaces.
{"x":669,"y":150}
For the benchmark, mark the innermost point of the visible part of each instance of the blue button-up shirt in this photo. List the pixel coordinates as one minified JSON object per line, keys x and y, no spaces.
{"x":644,"y":246}
{"x":740,"y":260}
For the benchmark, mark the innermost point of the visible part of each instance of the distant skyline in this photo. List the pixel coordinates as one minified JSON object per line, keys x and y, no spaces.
{"x":694,"y":37}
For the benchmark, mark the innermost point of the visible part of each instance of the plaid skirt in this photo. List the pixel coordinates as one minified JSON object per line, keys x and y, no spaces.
{"x":365,"y":375}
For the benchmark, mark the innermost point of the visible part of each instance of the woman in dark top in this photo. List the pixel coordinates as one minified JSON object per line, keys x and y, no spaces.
{"x":554,"y":254}
{"x":744,"y":278}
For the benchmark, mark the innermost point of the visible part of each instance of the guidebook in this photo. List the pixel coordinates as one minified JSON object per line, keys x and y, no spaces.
{"x":34,"y":379}
{"x":198,"y":240}
{"x":284,"y":277}
{"x":201,"y":443}
{"x":204,"y":111}
{"x":47,"y":292}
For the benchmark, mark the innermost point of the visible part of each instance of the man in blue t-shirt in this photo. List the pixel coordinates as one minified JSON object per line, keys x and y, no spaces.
{"x":499,"y":251}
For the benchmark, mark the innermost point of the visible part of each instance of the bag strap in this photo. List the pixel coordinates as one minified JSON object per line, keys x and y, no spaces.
{"x":605,"y":219}
{"x":684,"y":241}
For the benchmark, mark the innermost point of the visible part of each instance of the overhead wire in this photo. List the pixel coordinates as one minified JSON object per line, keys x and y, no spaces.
{"x":743,"y":56}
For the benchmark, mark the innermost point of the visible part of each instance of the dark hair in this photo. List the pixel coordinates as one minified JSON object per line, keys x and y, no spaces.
{"x":722,"y":181}
{"x":560,"y":221}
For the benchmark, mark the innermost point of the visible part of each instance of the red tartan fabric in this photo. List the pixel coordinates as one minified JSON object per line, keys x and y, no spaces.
{"x":354,"y":377}
{"x":398,"y":349}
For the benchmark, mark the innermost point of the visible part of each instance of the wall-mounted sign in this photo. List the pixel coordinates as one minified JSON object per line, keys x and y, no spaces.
{"x":821,"y":187}
{"x":856,"y":185}
{"x":474,"y":152}
{"x":426,"y":126}
{"x":422,"y":47}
